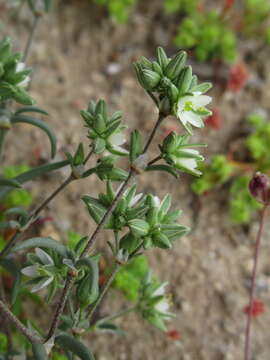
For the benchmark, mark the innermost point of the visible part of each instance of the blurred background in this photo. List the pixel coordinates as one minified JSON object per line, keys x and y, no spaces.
{"x":83,"y":50}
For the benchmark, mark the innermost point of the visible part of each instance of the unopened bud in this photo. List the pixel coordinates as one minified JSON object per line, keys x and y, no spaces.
{"x":259,"y":188}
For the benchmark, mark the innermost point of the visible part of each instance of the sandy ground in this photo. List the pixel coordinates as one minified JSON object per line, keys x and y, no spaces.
{"x":80,"y":55}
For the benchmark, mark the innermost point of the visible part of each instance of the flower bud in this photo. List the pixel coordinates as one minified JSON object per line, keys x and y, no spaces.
{"x":259,"y":188}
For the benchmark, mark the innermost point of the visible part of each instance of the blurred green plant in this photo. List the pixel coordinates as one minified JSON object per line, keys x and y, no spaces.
{"x":221,"y":170}
{"x":208,"y":36}
{"x":185,"y":6}
{"x":118,"y":9}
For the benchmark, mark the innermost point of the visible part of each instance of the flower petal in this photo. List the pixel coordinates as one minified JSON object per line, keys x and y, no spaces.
{"x":31,"y":271}
{"x":202,"y":100}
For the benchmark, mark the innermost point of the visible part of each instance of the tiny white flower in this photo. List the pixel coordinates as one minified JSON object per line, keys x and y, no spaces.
{"x":191,"y":108}
{"x":189,"y":164}
{"x":156,"y":201}
{"x":160,"y":290}
{"x":20,"y":67}
{"x":163,"y":306}
{"x":116,"y":140}
{"x":31,"y":271}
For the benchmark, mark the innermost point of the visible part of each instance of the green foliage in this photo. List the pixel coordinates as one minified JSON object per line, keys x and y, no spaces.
{"x":208,"y":35}
{"x":242,"y":204}
{"x":185,"y":6}
{"x":118,"y":9}
{"x":129,"y":278}
{"x":215,"y":173}
{"x":256,"y":16}
{"x":258,"y":142}
{"x":3,"y":343}
{"x":17,"y":197}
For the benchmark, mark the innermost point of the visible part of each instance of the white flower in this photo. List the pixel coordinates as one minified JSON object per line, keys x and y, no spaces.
{"x":189,"y":164}
{"x":20,"y":67}
{"x":44,"y":257}
{"x":163,"y":306}
{"x":160,"y":290}
{"x":156,"y":201}
{"x":117,"y":139}
{"x":191,"y":108}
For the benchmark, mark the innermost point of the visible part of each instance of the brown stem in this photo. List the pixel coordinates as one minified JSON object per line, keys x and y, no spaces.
{"x":150,"y":139}
{"x":30,"y":38}
{"x":247,"y":353}
{"x":60,"y":306}
{"x":19,"y":325}
{"x":159,"y":157}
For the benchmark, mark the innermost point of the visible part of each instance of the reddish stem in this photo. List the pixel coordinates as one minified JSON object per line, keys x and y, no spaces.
{"x":253,"y":284}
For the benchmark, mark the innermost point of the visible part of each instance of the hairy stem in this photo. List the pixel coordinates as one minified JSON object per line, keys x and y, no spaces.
{"x":30,"y":38}
{"x":247,"y":353}
{"x":60,"y":306}
{"x":104,"y":290}
{"x":88,"y":156}
{"x":19,"y":325}
{"x":161,"y":117}
{"x":118,"y":314}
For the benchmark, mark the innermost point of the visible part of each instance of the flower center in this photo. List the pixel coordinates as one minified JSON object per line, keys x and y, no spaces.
{"x":188,"y":106}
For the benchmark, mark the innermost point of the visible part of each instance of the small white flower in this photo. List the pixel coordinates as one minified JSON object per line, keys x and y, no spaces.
{"x":116,"y":140}
{"x":44,"y":257}
{"x":163,"y":306}
{"x":156,"y":201}
{"x":189,"y":164}
{"x":20,"y":67}
{"x":31,"y":271}
{"x":160,"y":290}
{"x":191,"y":108}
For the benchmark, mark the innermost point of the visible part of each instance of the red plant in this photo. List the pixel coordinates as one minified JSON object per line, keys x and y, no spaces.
{"x":173,"y":334}
{"x":238,"y":77}
{"x":256,"y":309}
{"x":214,"y":121}
{"x":228,"y":4}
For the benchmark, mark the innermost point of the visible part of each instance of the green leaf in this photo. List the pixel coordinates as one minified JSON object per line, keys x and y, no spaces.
{"x":162,"y":58}
{"x":39,"y":351}
{"x":136,"y":147}
{"x":13,"y":268}
{"x":202,"y":87}
{"x":39,"y":123}
{"x":138,"y":227}
{"x":9,"y":182}
{"x":31,"y":109}
{"x":175,"y":65}
{"x":69,"y":343}
{"x":109,"y":327}
{"x":167,"y":168}
{"x":95,"y":208}
{"x":43,"y":242}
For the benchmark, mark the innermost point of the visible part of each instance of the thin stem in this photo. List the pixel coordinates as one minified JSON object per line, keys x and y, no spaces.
{"x":9,"y":245}
{"x":60,"y":306}
{"x":159,"y":157}
{"x":247,"y":354}
{"x":88,"y":156}
{"x":7,"y":324}
{"x":19,"y":325}
{"x":104,"y":290}
{"x":35,"y":213}
{"x":150,"y":139}
{"x":93,"y":237}
{"x":30,"y":38}
{"x":118,"y":314}
{"x":108,"y":213}
{"x":3,"y":133}
{"x":152,"y":96}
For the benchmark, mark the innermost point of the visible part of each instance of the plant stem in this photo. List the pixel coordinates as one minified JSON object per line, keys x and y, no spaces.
{"x":30,"y":38}
{"x":2,"y":138}
{"x":150,"y":139}
{"x":35,"y":213}
{"x":104,"y":290}
{"x":88,"y":156}
{"x":93,"y":237}
{"x":152,"y":96}
{"x":108,"y":213}
{"x":159,"y":157}
{"x":118,"y":314}
{"x":60,"y":306}
{"x":9,"y":245}
{"x":247,"y":354}
{"x":19,"y":325}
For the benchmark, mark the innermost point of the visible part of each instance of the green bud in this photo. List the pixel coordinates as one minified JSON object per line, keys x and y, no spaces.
{"x":173,"y":93}
{"x":150,"y":79}
{"x":184,"y":80}
{"x":162,"y":58}
{"x":176,"y":64}
{"x":138,"y":227}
